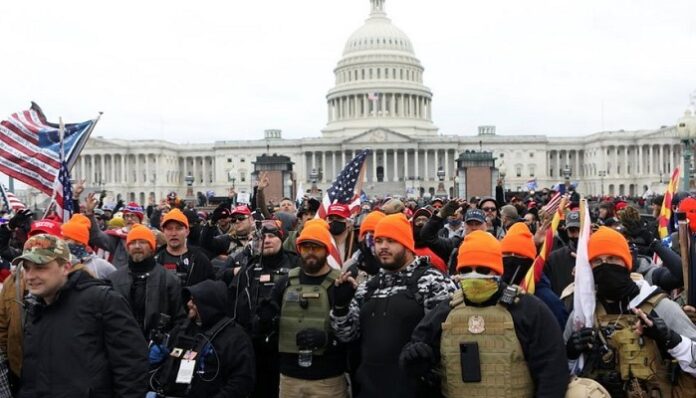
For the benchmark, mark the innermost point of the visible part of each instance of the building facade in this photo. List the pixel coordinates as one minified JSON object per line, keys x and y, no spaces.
{"x":379,"y":102}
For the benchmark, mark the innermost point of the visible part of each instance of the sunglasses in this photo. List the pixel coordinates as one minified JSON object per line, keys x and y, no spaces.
{"x":238,"y":218}
{"x":478,"y":270}
{"x":488,"y":209}
{"x":309,"y":247}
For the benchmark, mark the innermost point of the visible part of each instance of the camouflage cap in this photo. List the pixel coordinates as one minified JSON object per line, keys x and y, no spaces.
{"x":44,"y":248}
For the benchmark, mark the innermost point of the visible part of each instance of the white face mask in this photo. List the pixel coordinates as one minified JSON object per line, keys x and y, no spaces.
{"x":476,"y":275}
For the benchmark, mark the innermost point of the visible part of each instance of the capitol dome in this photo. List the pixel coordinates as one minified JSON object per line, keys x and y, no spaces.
{"x":379,"y":82}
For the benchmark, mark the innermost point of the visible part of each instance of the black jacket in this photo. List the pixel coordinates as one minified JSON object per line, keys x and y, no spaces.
{"x":441,"y":246}
{"x":226,"y":354}
{"x":84,"y":344}
{"x":543,"y":346}
{"x":194,"y":265}
{"x":246,"y":289}
{"x":217,"y":244}
{"x":162,"y":293}
{"x":559,"y":268}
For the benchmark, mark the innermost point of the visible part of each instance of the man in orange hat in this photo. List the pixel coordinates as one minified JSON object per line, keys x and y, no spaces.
{"x":488,"y":340}
{"x":637,"y":362}
{"x":364,"y":263}
{"x":312,"y":361}
{"x":149,"y":288}
{"x":385,"y":309}
{"x":189,"y":263}
{"x":76,"y":234}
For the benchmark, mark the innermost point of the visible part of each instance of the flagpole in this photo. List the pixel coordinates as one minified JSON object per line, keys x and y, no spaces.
{"x":81,"y":144}
{"x":61,"y":134}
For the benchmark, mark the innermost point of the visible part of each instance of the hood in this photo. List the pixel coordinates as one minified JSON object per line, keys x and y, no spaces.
{"x":211,"y":299}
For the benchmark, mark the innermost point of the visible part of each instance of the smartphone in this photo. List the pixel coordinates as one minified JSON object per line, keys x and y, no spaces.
{"x":470,"y":362}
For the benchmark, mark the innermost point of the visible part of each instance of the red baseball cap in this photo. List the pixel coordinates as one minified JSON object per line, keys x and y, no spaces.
{"x":45,"y":226}
{"x":338,"y":209}
{"x":242,"y":209}
{"x":620,"y":205}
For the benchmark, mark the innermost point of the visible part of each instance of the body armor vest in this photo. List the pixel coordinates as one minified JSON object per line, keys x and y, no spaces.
{"x":504,"y":371}
{"x":634,"y":364}
{"x":304,"y":306}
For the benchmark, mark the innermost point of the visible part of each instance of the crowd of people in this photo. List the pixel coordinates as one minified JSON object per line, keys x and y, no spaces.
{"x":397,"y":298}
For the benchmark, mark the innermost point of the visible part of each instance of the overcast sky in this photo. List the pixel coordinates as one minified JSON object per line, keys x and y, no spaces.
{"x":214,"y":70}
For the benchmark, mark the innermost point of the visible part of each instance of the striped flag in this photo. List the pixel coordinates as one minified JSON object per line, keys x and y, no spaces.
{"x":537,"y":269}
{"x":30,"y":147}
{"x":552,"y":205}
{"x":666,"y":210}
{"x":10,"y":201}
{"x":63,"y":198}
{"x":345,"y":189}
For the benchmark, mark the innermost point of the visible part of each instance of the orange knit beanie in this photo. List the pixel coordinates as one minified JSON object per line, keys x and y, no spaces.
{"x":141,"y":232}
{"x":609,"y":242}
{"x":396,"y":227}
{"x":76,"y":230}
{"x":519,"y":240}
{"x":478,"y":249}
{"x":316,"y":231}
{"x":369,"y":223}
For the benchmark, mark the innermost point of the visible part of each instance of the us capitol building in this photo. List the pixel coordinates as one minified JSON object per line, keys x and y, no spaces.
{"x":380,"y":102}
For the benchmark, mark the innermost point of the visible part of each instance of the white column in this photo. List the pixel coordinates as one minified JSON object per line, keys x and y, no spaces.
{"x":437,"y":160}
{"x":402,"y":112}
{"x":426,"y":175}
{"x":124,"y":178}
{"x":102,"y":171}
{"x":416,"y":163}
{"x":447,"y":165}
{"x":343,"y":157}
{"x":82,"y":167}
{"x":113,"y":169}
{"x":374,"y":166}
{"x":406,"y":171}
{"x":662,"y":159}
{"x":333,"y":164}
{"x":396,"y":166}
{"x":323,"y":166}
{"x":314,"y":160}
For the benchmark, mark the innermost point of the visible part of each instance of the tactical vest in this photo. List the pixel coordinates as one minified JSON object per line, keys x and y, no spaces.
{"x":304,"y":306}
{"x":636,"y":360}
{"x":504,"y":371}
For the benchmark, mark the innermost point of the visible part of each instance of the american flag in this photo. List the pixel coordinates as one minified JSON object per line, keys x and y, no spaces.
{"x":373,"y":96}
{"x":345,"y":189}
{"x":10,"y":201}
{"x":30,"y":147}
{"x":551,"y":207}
{"x":63,"y":191}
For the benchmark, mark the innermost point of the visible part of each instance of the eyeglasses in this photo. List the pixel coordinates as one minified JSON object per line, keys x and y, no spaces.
{"x":488,"y":209}
{"x":309,"y":247}
{"x":238,"y":218}
{"x":478,"y":270}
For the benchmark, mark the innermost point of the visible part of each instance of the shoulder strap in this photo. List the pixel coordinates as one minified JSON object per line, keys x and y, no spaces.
{"x":457,"y":298}
{"x":294,"y":276}
{"x":651,"y":302}
{"x":210,"y":335}
{"x":330,"y":278}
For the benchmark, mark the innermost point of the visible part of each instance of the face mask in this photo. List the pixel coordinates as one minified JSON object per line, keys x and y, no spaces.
{"x":78,"y":251}
{"x":337,"y":228}
{"x":479,"y":288}
{"x":515,"y":264}
{"x":614,"y":282}
{"x":368,"y":261}
{"x":455,"y":224}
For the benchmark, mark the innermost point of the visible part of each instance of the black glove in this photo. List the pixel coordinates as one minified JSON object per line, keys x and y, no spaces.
{"x":310,"y":339}
{"x":342,"y":295}
{"x":661,"y":333}
{"x":581,"y":341}
{"x":267,"y":311}
{"x":448,"y":209}
{"x":19,"y":219}
{"x":416,"y":359}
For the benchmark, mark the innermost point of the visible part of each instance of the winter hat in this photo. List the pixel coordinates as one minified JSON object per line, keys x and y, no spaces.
{"x":116,"y":222}
{"x":393,"y":206}
{"x":396,"y":227}
{"x":82,"y":219}
{"x":316,"y":231}
{"x":369,"y":223}
{"x":175,"y":215}
{"x":480,"y":248}
{"x":76,"y":230}
{"x":423,"y":211}
{"x":607,"y":241}
{"x":688,"y":206}
{"x":134,"y":208}
{"x":140,"y":232}
{"x":519,"y":240}
{"x":509,"y":211}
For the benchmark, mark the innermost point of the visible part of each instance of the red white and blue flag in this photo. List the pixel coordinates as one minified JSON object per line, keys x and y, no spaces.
{"x":10,"y":201}
{"x":346,"y":189}
{"x":31,"y":149}
{"x":63,"y":191}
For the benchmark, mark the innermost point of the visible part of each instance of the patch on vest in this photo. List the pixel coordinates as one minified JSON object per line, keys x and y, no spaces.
{"x":476,"y":324}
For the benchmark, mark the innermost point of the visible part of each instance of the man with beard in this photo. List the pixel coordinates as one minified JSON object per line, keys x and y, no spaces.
{"x":250,"y":286}
{"x":187,"y":262}
{"x":149,"y":289}
{"x":519,"y":252}
{"x":486,"y":341}
{"x":312,"y":361}
{"x":624,"y":363}
{"x":231,"y":243}
{"x":385,"y":309}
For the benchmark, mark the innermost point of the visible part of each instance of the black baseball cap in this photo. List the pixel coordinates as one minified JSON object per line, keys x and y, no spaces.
{"x":475,"y":215}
